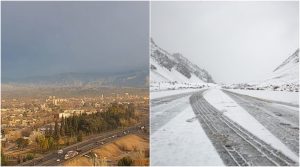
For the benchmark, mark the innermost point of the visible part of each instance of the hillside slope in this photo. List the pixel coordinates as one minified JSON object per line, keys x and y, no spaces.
{"x":285,"y":77}
{"x":175,"y":68}
{"x":286,"y":73}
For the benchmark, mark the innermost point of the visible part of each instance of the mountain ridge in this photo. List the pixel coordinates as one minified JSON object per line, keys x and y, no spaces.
{"x":286,"y":73}
{"x":284,"y":77}
{"x":167,"y":67}
{"x":293,"y":58}
{"x":139,"y":78}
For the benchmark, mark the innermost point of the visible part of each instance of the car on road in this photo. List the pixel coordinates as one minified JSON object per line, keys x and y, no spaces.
{"x":99,"y":142}
{"x":60,"y":151}
{"x":71,"y":154}
{"x":58,"y":160}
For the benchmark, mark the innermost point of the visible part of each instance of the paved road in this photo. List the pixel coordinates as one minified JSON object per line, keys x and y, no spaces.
{"x":167,"y":99}
{"x":166,"y":108}
{"x":84,"y":147}
{"x":280,"y":119}
{"x":235,"y":145}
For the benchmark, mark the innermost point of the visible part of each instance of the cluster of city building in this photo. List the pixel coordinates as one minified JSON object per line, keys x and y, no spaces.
{"x":34,"y":114}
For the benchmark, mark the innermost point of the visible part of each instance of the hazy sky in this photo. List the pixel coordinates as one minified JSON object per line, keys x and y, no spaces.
{"x":44,"y":38}
{"x":233,"y":41}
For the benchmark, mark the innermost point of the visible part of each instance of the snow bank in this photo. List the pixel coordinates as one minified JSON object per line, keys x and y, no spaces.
{"x":183,"y":143}
{"x":288,"y":97}
{"x":233,"y":111}
{"x":160,"y":86}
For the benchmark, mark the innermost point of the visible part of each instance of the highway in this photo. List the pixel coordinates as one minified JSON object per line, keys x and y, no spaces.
{"x":281,"y":119}
{"x":166,"y":108}
{"x":86,"y":146}
{"x":235,"y":145}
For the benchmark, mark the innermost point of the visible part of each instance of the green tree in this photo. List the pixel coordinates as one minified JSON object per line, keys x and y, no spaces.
{"x":125,"y":161}
{"x":22,"y":143}
{"x":79,"y":137}
{"x":50,"y":131}
{"x":29,"y":156}
{"x":51,"y":143}
{"x":43,"y":142}
{"x":56,"y":131}
{"x":3,"y":159}
{"x":62,"y":127}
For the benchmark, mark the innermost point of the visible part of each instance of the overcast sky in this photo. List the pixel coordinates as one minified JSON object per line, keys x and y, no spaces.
{"x":233,"y":41}
{"x":45,"y":38}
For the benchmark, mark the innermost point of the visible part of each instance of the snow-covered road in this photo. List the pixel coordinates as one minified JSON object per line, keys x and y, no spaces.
{"x":291,"y":98}
{"x":213,"y":128}
{"x":281,"y":120}
{"x":229,"y":108}
{"x":164,"y":110}
{"x":176,"y":138}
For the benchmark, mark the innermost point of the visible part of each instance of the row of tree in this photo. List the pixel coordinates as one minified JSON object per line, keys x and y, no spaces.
{"x":95,"y":123}
{"x":117,"y":115}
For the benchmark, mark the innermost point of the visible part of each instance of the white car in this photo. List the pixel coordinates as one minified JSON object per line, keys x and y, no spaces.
{"x":58,"y":160}
{"x":71,"y":154}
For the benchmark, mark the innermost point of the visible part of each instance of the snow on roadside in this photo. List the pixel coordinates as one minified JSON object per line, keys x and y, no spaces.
{"x":183,"y":143}
{"x":161,"y":86}
{"x":282,"y":96}
{"x":159,"y":94}
{"x":233,"y":111}
{"x":161,"y":114}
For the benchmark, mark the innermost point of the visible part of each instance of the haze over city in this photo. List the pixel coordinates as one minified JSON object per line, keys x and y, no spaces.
{"x":74,"y":83}
{"x":45,"y":38}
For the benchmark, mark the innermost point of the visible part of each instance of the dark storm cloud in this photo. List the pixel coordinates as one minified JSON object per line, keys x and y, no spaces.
{"x":43,"y":38}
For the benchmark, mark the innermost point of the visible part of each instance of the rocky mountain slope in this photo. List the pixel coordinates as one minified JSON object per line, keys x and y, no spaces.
{"x":167,"y":67}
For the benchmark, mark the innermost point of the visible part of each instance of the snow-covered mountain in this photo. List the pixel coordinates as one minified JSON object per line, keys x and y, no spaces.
{"x":167,"y":67}
{"x":285,"y":77}
{"x":286,"y":73}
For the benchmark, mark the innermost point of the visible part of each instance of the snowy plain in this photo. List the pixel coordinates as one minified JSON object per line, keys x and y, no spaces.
{"x":281,"y":96}
{"x":233,"y":111}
